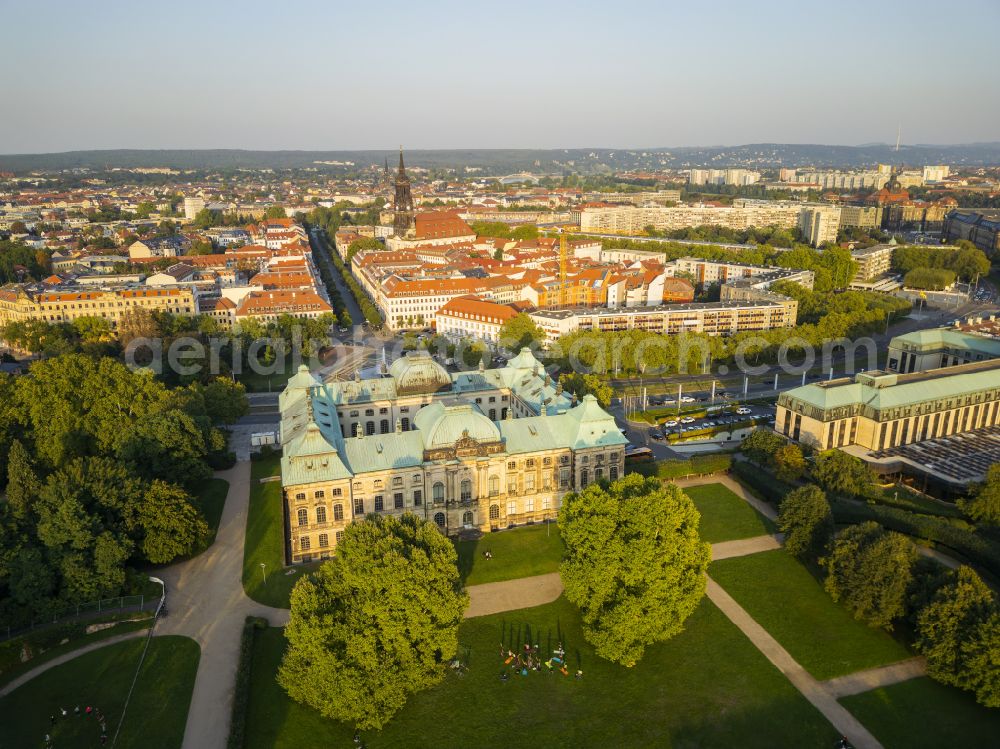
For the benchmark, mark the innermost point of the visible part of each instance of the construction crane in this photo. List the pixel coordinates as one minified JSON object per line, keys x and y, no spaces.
{"x":563,"y":262}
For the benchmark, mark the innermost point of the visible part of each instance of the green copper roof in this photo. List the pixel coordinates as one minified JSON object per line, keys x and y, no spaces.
{"x":378,"y":452}
{"x":899,"y":390}
{"x":946,"y":338}
{"x":443,"y":426}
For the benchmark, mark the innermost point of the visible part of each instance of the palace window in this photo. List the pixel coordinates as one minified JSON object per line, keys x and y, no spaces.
{"x":511,"y":465}
{"x":467,"y":517}
{"x":439,"y":492}
{"x":494,"y":485}
{"x":379,"y":503}
{"x":512,"y":507}
{"x":338,"y":512}
{"x":359,"y":506}
{"x":466,"y":490}
{"x":439,"y":519}
{"x":584,"y":477}
{"x":305,"y":543}
{"x":494,"y":512}
{"x":339,"y":536}
{"x":320,"y":514}
{"x":397,"y":500}
{"x":337,"y":492}
{"x":300,"y":495}
{"x":303,"y":516}
{"x":418,"y":498}
{"x":319,"y":494}
{"x":613,"y":474}
{"x":324,"y":540}
{"x":529,"y":505}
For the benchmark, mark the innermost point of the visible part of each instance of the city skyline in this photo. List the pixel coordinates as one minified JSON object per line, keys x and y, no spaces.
{"x":450,"y":76}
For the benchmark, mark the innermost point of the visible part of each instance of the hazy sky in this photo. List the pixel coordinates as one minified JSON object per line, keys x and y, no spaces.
{"x":294,"y":74}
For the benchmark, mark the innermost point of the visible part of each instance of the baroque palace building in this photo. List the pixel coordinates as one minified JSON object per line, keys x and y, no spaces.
{"x":483,"y":450}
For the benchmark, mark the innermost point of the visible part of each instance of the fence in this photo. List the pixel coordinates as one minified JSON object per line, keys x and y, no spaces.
{"x":83,"y":612}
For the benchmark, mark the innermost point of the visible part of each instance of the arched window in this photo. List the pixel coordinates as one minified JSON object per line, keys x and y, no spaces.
{"x":405,"y":423}
{"x":384,"y":426}
{"x":300,"y":495}
{"x":439,"y":492}
{"x":494,"y":485}
{"x":584,"y":477}
{"x":338,"y":512}
{"x":467,"y":517}
{"x":613,"y":473}
{"x":439,"y":519}
{"x":598,"y":473}
{"x":303,"y":517}
{"x":324,"y":540}
{"x":466,"y":490}
{"x":370,"y":427}
{"x":494,"y":512}
{"x":320,"y":514}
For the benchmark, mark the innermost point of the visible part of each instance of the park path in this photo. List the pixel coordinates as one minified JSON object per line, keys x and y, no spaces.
{"x":509,"y":595}
{"x":206,"y":602}
{"x":873,"y":678}
{"x":743,"y":546}
{"x":817,"y":693}
{"x":59,"y":660}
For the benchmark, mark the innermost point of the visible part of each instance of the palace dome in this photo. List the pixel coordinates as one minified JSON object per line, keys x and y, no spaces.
{"x":443,"y":426}
{"x":417,"y":372}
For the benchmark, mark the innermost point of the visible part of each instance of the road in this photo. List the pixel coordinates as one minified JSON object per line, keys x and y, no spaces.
{"x":319,"y":252}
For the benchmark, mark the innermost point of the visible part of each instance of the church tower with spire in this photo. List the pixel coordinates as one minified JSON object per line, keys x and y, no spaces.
{"x":402,"y":203}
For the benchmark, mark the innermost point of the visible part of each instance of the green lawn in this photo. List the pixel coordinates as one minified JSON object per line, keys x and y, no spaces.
{"x":211,"y":499}
{"x":725,"y":516}
{"x":708,"y":687}
{"x":265,"y":540}
{"x":518,"y":552}
{"x":73,"y":643}
{"x":156,"y":714}
{"x":269,"y":383}
{"x":781,"y":595}
{"x":923,"y":714}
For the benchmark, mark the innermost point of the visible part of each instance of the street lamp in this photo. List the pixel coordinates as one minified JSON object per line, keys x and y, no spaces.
{"x":263,"y":572}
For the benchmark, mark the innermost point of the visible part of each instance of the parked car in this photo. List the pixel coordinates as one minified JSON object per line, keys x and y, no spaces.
{"x":687,"y":420}
{"x":656,"y":436}
{"x":743,"y":411}
{"x":670,"y":424}
{"x":687,"y":399}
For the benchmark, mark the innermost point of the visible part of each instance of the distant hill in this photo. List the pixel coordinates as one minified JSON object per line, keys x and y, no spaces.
{"x":503,"y":161}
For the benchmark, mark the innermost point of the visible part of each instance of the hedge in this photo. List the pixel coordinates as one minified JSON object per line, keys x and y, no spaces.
{"x":765,"y":484}
{"x":241,"y":692}
{"x":675,"y":469}
{"x":952,"y":533}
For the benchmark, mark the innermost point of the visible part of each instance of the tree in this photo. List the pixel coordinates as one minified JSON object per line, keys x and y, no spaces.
{"x":761,"y":445}
{"x":22,"y":483}
{"x":789,"y":463}
{"x":363,"y":243}
{"x":201,"y":247}
{"x":171,"y":524}
{"x":376,"y":623}
{"x":841,"y":473}
{"x":871,"y":570}
{"x":520,"y":331}
{"x":206,"y":218}
{"x":634,"y":564}
{"x":806,"y":520}
{"x":169,"y":445}
{"x":588,"y":384}
{"x":275,"y":211}
{"x":957,"y":634}
{"x":984,"y":507}
{"x":225,"y":401}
